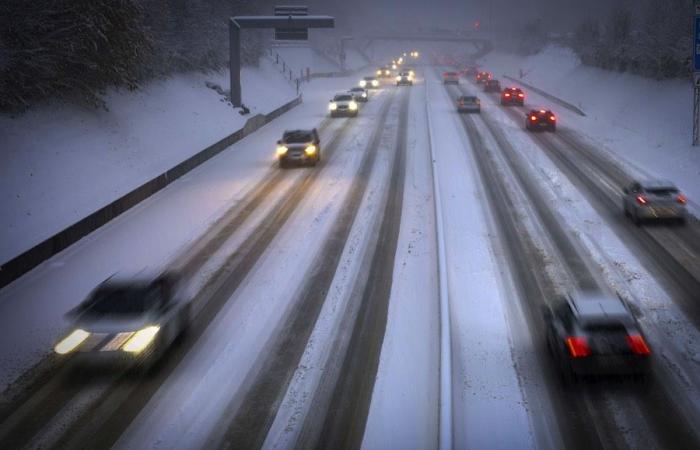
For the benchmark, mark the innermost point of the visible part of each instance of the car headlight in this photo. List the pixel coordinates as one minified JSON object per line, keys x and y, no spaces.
{"x":281,"y":150}
{"x":379,"y":72}
{"x":310,"y":150}
{"x":393,"y":66}
{"x":363,"y":83}
{"x":352,"y":106}
{"x":364,"y":95}
{"x":375,"y":83}
{"x":141,"y":339}
{"x":333,"y":106}
{"x":71,"y":342}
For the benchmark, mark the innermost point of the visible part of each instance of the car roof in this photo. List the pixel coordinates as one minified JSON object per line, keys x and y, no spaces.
{"x":657,"y":184}
{"x":599,"y":308}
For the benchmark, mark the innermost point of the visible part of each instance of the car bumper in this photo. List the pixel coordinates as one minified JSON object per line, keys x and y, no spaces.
{"x":469,"y":109}
{"x":661,"y":212}
{"x":611,"y":365}
{"x":343,"y":113}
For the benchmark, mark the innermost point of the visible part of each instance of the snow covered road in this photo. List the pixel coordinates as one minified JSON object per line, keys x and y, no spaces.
{"x":321,"y":303}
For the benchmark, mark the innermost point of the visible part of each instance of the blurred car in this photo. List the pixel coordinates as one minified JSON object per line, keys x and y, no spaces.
{"x":404,"y":79}
{"x":654,"y":200}
{"x":512,"y":96}
{"x":468,"y":103}
{"x":384,"y":72}
{"x":492,"y":86}
{"x":415,"y":54}
{"x":540,"y":119}
{"x":360,"y":94}
{"x":126,"y":321}
{"x":450,"y":78}
{"x":343,"y":105}
{"x":470,"y":70}
{"x":369,"y":83}
{"x":481,"y":77}
{"x":300,"y":146}
{"x":591,"y":333}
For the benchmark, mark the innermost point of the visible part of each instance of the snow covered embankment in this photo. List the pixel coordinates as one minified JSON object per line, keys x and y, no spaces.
{"x":60,"y":163}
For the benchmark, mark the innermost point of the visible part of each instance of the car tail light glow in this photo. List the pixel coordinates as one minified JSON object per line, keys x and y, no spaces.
{"x":681,"y":199}
{"x":638,"y":345}
{"x":578,"y":346}
{"x":552,"y":118}
{"x":533,"y":118}
{"x":642,"y":200}
{"x":507,"y":95}
{"x":521,"y":95}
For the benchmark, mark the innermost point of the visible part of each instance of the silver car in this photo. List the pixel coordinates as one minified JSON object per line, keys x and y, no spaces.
{"x":654,"y":200}
{"x":124,"y":322}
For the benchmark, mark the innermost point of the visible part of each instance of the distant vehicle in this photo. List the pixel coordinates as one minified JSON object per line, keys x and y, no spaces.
{"x":492,"y":86}
{"x":481,"y":77}
{"x":470,"y":70}
{"x":540,"y":119}
{"x":450,"y":78}
{"x":126,"y":321}
{"x":654,"y":200}
{"x":512,"y":96}
{"x":404,"y":79}
{"x":384,"y":72}
{"x":301,"y":146}
{"x":468,"y":103}
{"x":360,"y":94}
{"x":343,"y":105}
{"x":415,"y":54}
{"x":410,"y":71}
{"x":595,"y":334}
{"x":369,"y":82}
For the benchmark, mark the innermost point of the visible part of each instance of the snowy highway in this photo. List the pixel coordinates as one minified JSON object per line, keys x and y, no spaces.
{"x":320,"y":295}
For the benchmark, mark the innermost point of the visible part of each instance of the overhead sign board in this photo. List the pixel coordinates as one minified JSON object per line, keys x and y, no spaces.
{"x":291,"y":34}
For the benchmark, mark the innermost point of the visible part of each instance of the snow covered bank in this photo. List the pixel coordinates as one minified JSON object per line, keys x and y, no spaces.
{"x":60,"y":163}
{"x":645,"y":122}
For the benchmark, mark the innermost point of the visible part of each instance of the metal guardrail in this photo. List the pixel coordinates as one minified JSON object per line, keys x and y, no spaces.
{"x":26,"y":261}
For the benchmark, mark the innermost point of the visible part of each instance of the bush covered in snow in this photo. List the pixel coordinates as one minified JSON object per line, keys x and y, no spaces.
{"x":75,"y":49}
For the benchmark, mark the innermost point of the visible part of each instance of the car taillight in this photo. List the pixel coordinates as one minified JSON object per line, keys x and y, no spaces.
{"x":521,"y":95}
{"x":642,"y":200}
{"x":506,"y":95}
{"x":533,"y":118}
{"x":578,"y":346}
{"x":681,"y":199}
{"x":638,"y":345}
{"x":552,"y":118}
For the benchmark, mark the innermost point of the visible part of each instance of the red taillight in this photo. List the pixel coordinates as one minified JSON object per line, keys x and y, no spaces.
{"x":533,"y":118}
{"x":638,"y":345}
{"x":521,"y":95}
{"x":578,"y":346}
{"x":681,"y":199}
{"x":506,"y":95}
{"x":642,"y":200}
{"x":552,"y":118}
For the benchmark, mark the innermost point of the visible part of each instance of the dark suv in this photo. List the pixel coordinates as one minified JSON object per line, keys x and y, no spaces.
{"x":301,"y":146}
{"x":592,"y":333}
{"x":492,"y":86}
{"x":540,"y":119}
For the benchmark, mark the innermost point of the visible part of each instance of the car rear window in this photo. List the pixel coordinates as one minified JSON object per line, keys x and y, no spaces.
{"x":342,"y":98}
{"x":468,"y":99}
{"x":663,"y":192}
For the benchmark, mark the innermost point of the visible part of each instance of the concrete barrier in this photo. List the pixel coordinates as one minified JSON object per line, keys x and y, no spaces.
{"x":31,"y":258}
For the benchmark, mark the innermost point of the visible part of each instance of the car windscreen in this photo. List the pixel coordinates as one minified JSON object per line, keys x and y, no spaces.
{"x":297,"y":137}
{"x":369,"y":78}
{"x":119,"y":301}
{"x":342,"y":98}
{"x":468,"y":99}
